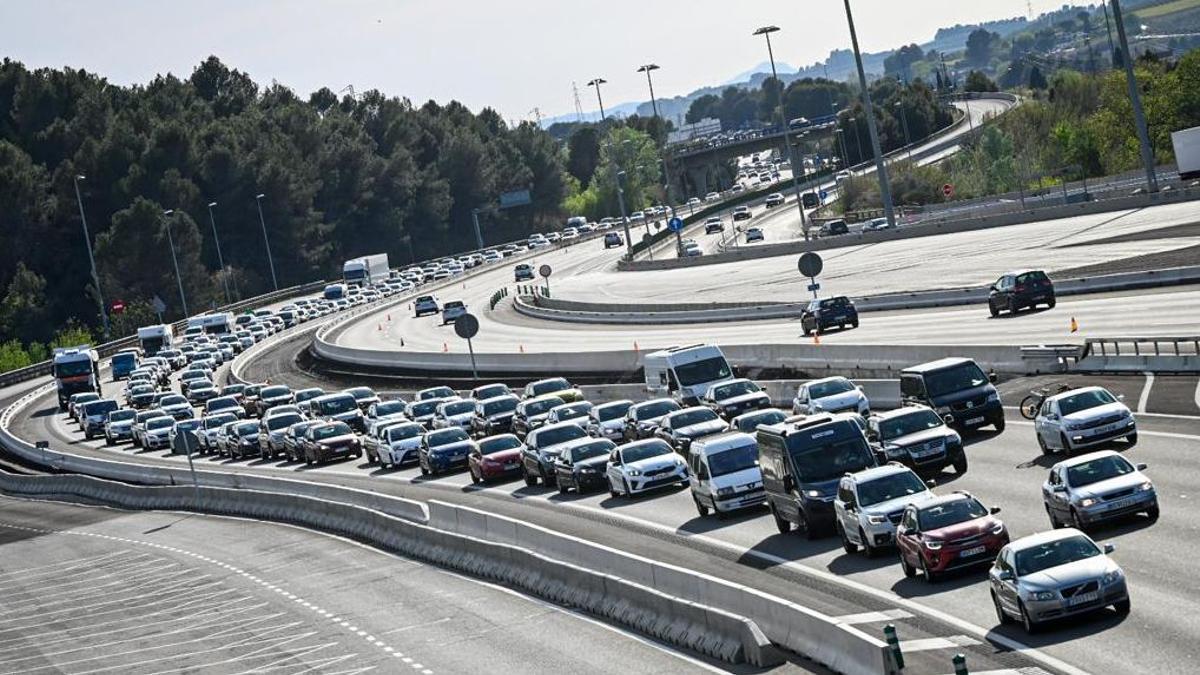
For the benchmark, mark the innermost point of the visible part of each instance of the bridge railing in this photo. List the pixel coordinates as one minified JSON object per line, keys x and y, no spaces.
{"x":1159,"y":345}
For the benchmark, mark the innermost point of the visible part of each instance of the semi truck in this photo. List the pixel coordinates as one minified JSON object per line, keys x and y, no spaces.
{"x":366,"y":271}
{"x":76,"y":370}
{"x":1187,"y":152}
{"x":154,"y":339}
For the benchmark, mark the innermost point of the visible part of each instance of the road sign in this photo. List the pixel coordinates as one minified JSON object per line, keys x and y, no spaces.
{"x":158,"y":305}
{"x":947,"y":190}
{"x":824,"y":194}
{"x":810,"y":264}
{"x":544,"y":270}
{"x":814,"y":287}
{"x":514,"y":198}
{"x":185,"y":442}
{"x":466,"y":326}
{"x":118,"y":306}
{"x":675,"y":223}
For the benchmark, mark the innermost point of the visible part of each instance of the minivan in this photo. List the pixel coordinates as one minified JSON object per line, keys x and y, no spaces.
{"x":725,"y":475}
{"x":957,"y":389}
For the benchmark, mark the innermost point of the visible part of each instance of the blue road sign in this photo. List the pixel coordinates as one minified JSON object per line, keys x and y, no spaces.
{"x":824,"y":194}
{"x":676,"y":224}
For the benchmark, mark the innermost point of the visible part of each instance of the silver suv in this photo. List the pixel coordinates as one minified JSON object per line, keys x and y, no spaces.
{"x":870,"y":503}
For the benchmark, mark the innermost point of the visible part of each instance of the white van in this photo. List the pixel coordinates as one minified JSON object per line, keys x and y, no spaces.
{"x":724,"y":473}
{"x":686,"y":373}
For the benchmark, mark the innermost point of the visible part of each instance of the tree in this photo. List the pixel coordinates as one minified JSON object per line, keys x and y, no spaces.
{"x":981,"y":43}
{"x":23,"y":308}
{"x":899,"y":63}
{"x":702,"y":107}
{"x":977,"y":81}
{"x":1036,"y":79}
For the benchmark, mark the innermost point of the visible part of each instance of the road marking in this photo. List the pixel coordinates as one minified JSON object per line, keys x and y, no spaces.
{"x":1197,"y":394}
{"x":929,"y":644}
{"x":1159,"y":434}
{"x":1145,"y":397}
{"x":873,"y":617}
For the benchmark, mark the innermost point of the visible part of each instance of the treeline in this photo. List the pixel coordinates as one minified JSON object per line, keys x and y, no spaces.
{"x":340,"y":177}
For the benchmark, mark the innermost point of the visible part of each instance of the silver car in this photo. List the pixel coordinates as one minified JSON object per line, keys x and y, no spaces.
{"x":1055,"y":574}
{"x":1082,"y":418}
{"x":1095,"y":487}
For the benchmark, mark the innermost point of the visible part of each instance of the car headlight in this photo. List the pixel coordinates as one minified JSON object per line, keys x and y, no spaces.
{"x":876,"y":520}
{"x":587,"y":470}
{"x":998,"y":529}
{"x":933,"y":544}
{"x":633,"y":472}
{"x":943,"y":410}
{"x":1042,"y":596}
{"x":724,"y":492}
{"x":1086,"y":502}
{"x":815,"y":494}
{"x":894,"y":451}
{"x":993,"y":397}
{"x":1112,"y":577}
{"x":1146,"y":487}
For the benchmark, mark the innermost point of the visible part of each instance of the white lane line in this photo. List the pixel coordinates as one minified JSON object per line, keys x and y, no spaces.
{"x":929,"y":644}
{"x":873,"y":617}
{"x":53,"y":568}
{"x":1145,"y":397}
{"x":1197,"y":397}
{"x":1157,"y":434}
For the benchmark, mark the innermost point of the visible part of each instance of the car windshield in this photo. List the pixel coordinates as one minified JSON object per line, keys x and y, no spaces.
{"x":556,"y":435}
{"x":705,"y":370}
{"x":950,"y":513}
{"x":121,"y":415}
{"x":484,"y":393}
{"x":73,"y":368}
{"x":550,"y":386}
{"x":222,"y":403}
{"x":444,"y":436}
{"x":612,"y":412}
{"x":270,"y":392}
{"x":459,"y":407}
{"x":503,"y":405}
{"x":1083,"y":400}
{"x":330,"y":430}
{"x":733,"y":460}
{"x":423,"y":408}
{"x":389,"y":408}
{"x":1096,"y":470}
{"x":360,"y":393}
{"x":734,"y":389}
{"x":246,"y":428}
{"x":645,"y":451}
{"x":570,"y":412}
{"x":305,"y":394}
{"x":655,"y":409}
{"x":539,"y":407}
{"x":100,"y":407}
{"x":174,"y":399}
{"x":159,"y":423}
{"x":957,"y":378}
{"x":830,"y":388}
{"x":282,"y":421}
{"x":217,"y":421}
{"x":751,"y":422}
{"x":889,"y":487}
{"x":827,"y":462}
{"x":202,"y":385}
{"x":402,"y":431}
{"x":1054,"y":553}
{"x":908,"y":423}
{"x":498,"y":444}
{"x":338,"y":405}
{"x":597,"y":448}
{"x":453,"y":304}
{"x":436,"y":392}
{"x":689,"y":417}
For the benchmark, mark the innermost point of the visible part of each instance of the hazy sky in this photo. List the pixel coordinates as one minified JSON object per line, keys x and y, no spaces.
{"x":512,"y":56}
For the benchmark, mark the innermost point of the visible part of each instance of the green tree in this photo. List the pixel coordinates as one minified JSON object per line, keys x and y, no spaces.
{"x":981,"y":44}
{"x":977,"y":81}
{"x":583,"y":153}
{"x":23,"y":308}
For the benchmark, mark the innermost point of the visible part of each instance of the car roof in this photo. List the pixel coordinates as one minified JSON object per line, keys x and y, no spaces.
{"x":833,"y":378}
{"x":945,"y":499}
{"x":899,"y":412}
{"x":722,"y":441}
{"x":931,"y":366}
{"x":613,"y":404}
{"x":889,"y":469}
{"x":560,"y":425}
{"x":1083,"y":459}
{"x":1040,"y":538}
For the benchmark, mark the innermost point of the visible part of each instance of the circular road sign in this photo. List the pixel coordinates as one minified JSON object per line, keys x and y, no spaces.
{"x":810,"y":264}
{"x":675,"y":224}
{"x":544,"y":270}
{"x":947,"y":190}
{"x":466,"y":326}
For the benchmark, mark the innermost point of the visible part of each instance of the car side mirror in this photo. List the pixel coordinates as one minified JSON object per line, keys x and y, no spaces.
{"x":1120,"y":397}
{"x":931,"y":483}
{"x":1109,"y":548}
{"x":1059,"y":488}
{"x":1006,"y":575}
{"x":1142,"y":467}
{"x":994,"y":510}
{"x":993,"y":377}
{"x":993,"y":288}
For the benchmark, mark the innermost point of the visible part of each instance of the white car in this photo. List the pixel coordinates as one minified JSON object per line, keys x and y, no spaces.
{"x":607,"y":420}
{"x":831,"y":395}
{"x":454,"y":413}
{"x":398,"y":443}
{"x":639,"y":466}
{"x":870,"y":503}
{"x":1082,"y":418}
{"x":712,"y":197}
{"x":575,"y":413}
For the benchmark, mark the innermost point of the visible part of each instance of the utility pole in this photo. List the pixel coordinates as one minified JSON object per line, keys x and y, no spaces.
{"x":175,"y":259}
{"x":270,"y":261}
{"x":91,"y":258}
{"x":1135,"y":96}
{"x":885,"y":188}
{"x":220,"y":258}
{"x":766,"y":31}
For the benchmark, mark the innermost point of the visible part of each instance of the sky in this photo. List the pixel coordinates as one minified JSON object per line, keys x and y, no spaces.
{"x":513,"y":57}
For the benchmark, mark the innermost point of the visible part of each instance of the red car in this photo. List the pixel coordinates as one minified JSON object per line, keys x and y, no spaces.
{"x":948,"y":533}
{"x":495,"y":457}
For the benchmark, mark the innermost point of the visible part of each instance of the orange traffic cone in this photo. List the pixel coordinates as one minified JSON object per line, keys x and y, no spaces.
{"x":1074,"y":325}
{"x":445,"y":347}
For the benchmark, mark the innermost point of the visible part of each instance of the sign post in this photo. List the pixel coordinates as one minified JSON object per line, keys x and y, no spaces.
{"x":810,"y":265}
{"x":467,"y":327}
{"x":545,"y":270}
{"x":675,"y":224}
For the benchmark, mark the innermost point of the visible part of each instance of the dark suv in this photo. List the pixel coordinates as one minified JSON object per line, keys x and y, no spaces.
{"x":820,"y":315}
{"x":802,"y":463}
{"x":958,"y":391}
{"x":1020,"y":290}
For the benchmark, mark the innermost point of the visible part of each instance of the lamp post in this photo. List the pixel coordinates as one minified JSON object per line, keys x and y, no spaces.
{"x":596,"y":83}
{"x":904,"y":121}
{"x":91,"y":258}
{"x":220,"y":258}
{"x":1135,"y":97}
{"x":766,"y":31}
{"x":175,"y":259}
{"x":885,"y":188}
{"x":270,"y":261}
{"x":647,"y":70}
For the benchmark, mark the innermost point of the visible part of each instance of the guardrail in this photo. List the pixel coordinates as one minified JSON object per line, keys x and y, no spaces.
{"x":1134,"y":346}
{"x":1157,"y":354}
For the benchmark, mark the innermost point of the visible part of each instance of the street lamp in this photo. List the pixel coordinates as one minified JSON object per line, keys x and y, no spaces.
{"x":1135,"y":97}
{"x":270,"y":260}
{"x":596,"y":83}
{"x":647,"y":69}
{"x":899,"y":105}
{"x":171,"y":242}
{"x":91,"y":258}
{"x":766,"y":31}
{"x":885,"y":188}
{"x":220,"y":258}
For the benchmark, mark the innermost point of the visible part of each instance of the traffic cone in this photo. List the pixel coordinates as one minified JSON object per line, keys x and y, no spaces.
{"x":380,"y":327}
{"x":401,"y":340}
{"x":445,"y":347}
{"x":1074,"y":325}
{"x":522,"y":347}
{"x":635,"y":346}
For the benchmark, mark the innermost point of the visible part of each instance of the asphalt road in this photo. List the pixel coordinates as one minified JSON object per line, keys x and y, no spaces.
{"x":88,"y":589}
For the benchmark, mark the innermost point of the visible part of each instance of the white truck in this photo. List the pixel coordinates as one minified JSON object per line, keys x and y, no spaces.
{"x":685,"y":373}
{"x":1187,"y":152}
{"x":76,"y":369}
{"x":366,"y":271}
{"x":216,"y":323}
{"x":154,"y":339}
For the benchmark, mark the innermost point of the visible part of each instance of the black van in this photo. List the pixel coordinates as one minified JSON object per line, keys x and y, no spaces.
{"x":802,"y":463}
{"x":957,"y":389}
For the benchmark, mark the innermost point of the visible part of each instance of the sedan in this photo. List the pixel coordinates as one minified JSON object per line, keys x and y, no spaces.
{"x":636,"y":467}
{"x":682,"y":427}
{"x":583,"y":464}
{"x":495,"y":457}
{"x":542,"y":448}
{"x":444,"y":449}
{"x":748,"y":423}
{"x":832,"y":395}
{"x":948,"y":533}
{"x":1053,"y":575}
{"x":754,"y":234}
{"x":398,"y":444}
{"x":1100,"y":486}
{"x":323,"y":442}
{"x":1082,"y":418}
{"x":734,"y":397}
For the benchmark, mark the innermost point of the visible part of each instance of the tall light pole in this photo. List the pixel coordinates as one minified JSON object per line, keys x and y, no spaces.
{"x":220,"y":259}
{"x":596,"y":83}
{"x":885,"y":188}
{"x":270,"y":261}
{"x":766,"y":31}
{"x":647,"y":70}
{"x":1135,"y":96}
{"x":175,"y":259}
{"x":91,"y":258}
{"x":904,"y":121}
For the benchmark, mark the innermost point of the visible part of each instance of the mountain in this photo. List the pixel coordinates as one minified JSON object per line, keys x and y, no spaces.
{"x":763,"y":69}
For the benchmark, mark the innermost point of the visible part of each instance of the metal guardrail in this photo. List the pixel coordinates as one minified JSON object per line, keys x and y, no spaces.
{"x":1142,"y":346}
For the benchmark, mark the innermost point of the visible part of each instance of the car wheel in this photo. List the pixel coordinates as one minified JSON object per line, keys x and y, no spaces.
{"x":1122,"y":607}
{"x":1077,"y":522}
{"x":424,"y":471}
{"x":1012,"y":306}
{"x":1052,"y":302}
{"x":1027,"y":622}
{"x":848,"y":546}
{"x":868,"y":549}
{"x":929,"y":575}
{"x":1054,"y":524}
{"x":562,"y":489}
{"x":807,"y":330}
{"x":1001,"y":615}
{"x":960,"y":463}
{"x":1066,"y":445}
{"x":1152,"y":512}
{"x":993,"y":310}
{"x":1042,"y":444}
{"x":612,"y":491}
{"x":998,"y":422}
{"x":909,"y":571}
{"x":108,"y":441}
{"x":700,"y":508}
{"x":854,"y":323}
{"x":1132,"y":438}
{"x":474,"y":478}
{"x":628,"y":490}
{"x":530,"y":480}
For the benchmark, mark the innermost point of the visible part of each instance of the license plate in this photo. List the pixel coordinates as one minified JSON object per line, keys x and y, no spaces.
{"x":1084,"y":598}
{"x":968,"y":552}
{"x":840,"y":318}
{"x":1120,"y":504}
{"x":511,"y":465}
{"x":974,"y":420}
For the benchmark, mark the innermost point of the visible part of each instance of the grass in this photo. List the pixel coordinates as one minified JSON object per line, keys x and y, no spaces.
{"x":1159,"y":11}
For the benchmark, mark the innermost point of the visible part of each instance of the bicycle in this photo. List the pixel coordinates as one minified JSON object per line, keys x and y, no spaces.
{"x":1031,"y":403}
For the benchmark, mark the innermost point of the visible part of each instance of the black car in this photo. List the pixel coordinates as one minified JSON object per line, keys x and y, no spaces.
{"x":915,"y":436}
{"x":582,"y":465}
{"x":1021,"y":290}
{"x":810,"y":200}
{"x":825,"y":313}
{"x":958,"y":391}
{"x":494,"y":415}
{"x":834,"y":227}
